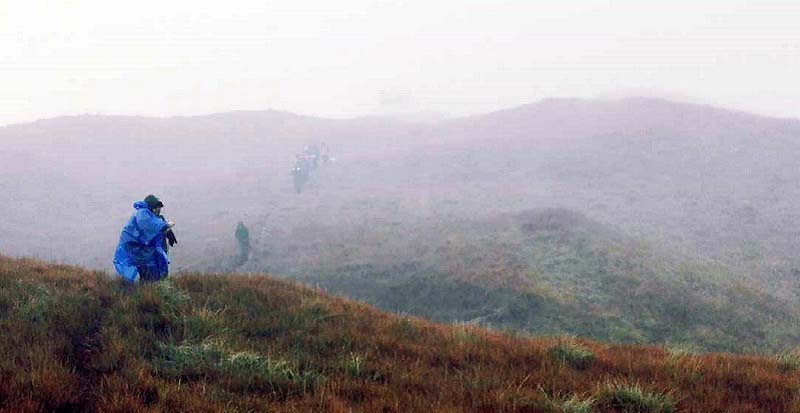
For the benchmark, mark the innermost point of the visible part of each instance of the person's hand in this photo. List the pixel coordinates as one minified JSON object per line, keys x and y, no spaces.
{"x":171,"y":238}
{"x":170,"y":224}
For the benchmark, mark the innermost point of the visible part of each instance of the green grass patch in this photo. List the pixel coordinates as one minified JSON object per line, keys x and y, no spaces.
{"x":404,"y":328}
{"x":624,"y":397}
{"x":354,"y":365}
{"x":563,"y":403}
{"x":789,"y":362}
{"x":463,"y":333}
{"x":569,"y":352}
{"x":190,"y":361}
{"x":237,"y":371}
{"x":202,"y":323}
{"x":683,"y":362}
{"x":287,"y":321}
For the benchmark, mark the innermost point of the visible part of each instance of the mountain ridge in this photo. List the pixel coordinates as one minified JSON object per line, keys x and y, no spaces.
{"x":536,"y":107}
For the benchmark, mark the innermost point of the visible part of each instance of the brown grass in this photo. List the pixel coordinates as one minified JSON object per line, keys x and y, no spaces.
{"x":74,"y":340}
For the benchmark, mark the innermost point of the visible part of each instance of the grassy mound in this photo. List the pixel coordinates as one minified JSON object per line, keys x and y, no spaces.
{"x":544,"y":272}
{"x":78,"y":341}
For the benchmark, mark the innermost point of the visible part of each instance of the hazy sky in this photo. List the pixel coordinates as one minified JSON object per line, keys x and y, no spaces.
{"x":354,"y":57}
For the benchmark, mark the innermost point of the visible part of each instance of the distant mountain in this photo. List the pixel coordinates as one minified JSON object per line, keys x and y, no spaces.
{"x":425,"y":117}
{"x":576,"y":119}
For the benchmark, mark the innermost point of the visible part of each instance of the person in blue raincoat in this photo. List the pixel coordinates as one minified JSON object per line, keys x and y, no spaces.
{"x":141,"y":253}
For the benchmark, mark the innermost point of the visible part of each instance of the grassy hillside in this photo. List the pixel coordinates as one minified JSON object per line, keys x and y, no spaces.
{"x":75,"y":340}
{"x":543,"y":271}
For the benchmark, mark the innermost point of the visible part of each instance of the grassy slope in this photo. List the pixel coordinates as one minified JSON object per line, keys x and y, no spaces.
{"x":75,"y":340}
{"x":544,"y":271}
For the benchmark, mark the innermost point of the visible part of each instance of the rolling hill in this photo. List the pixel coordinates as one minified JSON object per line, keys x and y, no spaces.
{"x":543,"y":271}
{"x":76,"y":340}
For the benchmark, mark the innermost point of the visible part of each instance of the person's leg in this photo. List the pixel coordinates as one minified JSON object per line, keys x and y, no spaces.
{"x":147,"y":274}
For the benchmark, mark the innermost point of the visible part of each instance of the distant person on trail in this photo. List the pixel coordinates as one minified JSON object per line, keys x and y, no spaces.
{"x":243,"y":238}
{"x":312,"y":153}
{"x":142,"y":250}
{"x":299,"y":175}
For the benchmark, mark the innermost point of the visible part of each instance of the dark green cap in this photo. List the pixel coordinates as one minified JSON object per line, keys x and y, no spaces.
{"x":153,"y":202}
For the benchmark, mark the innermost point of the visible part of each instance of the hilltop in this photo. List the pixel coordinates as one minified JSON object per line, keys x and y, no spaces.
{"x":75,"y":340}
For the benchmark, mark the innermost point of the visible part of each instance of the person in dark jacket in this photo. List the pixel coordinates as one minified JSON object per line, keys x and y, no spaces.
{"x":243,"y":239}
{"x":141,"y":252}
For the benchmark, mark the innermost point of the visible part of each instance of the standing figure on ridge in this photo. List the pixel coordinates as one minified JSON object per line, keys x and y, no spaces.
{"x":243,"y":239}
{"x":299,"y":173}
{"x":312,"y":153}
{"x":141,"y":253}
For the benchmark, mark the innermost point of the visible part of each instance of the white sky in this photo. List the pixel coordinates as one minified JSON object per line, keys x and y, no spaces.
{"x":354,"y":57}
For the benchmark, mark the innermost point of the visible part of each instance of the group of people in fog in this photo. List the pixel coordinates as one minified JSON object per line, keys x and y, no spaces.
{"x":305,"y":162}
{"x":142,"y":251}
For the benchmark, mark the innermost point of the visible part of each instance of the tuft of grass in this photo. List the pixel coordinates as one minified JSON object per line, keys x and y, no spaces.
{"x":293,"y":319}
{"x":253,"y":372}
{"x":171,"y":296}
{"x":239,"y":371}
{"x":353,"y":365}
{"x":463,"y":333}
{"x":158,"y":307}
{"x":202,"y":323}
{"x":626,"y":397}
{"x":788,"y":362}
{"x":37,"y":306}
{"x":563,"y":403}
{"x":159,"y":299}
{"x":404,"y":328}
{"x":308,"y":381}
{"x":682,"y":362}
{"x":569,"y":352}
{"x":190,"y":361}
{"x":36,"y":309}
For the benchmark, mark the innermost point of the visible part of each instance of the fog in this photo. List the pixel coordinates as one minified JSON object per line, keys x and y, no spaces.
{"x":356,"y":57}
{"x":490,"y":153}
{"x":700,"y":179}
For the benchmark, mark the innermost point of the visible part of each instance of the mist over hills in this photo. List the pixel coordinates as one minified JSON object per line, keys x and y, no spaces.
{"x":695,"y":184}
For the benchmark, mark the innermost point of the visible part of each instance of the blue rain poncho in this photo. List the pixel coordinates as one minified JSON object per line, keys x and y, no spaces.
{"x":140,"y":252}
